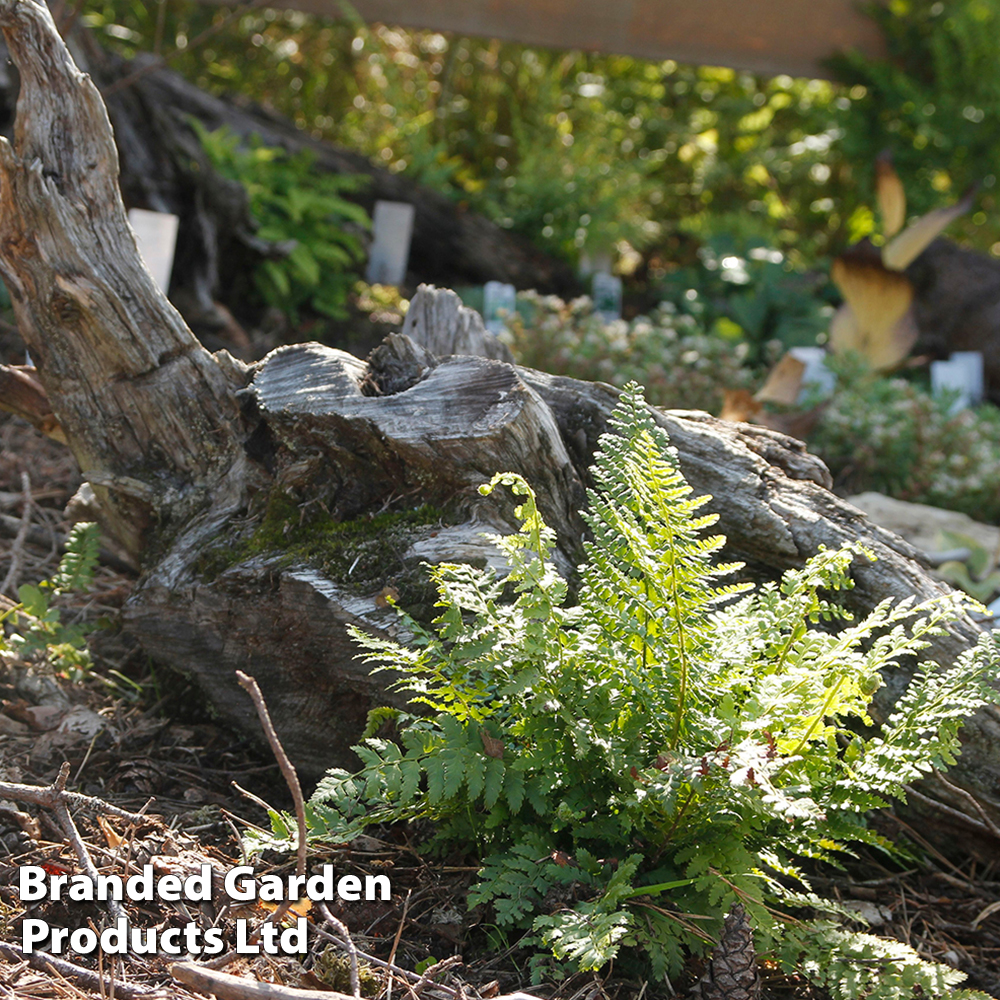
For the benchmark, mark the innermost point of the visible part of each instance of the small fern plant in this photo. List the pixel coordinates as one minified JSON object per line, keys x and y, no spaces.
{"x":295,"y":203}
{"x":39,"y":627}
{"x":630,"y":766}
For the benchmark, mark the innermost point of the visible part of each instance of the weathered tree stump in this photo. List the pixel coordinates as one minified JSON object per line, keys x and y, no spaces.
{"x":270,"y":505}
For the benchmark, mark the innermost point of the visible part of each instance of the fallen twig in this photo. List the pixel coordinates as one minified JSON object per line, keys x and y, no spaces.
{"x":229,"y":987}
{"x":17,"y":549}
{"x":963,"y":819}
{"x":438,"y":969}
{"x":972,"y":800}
{"x":255,"y":799}
{"x":61,"y":810}
{"x":46,"y":795}
{"x":58,"y":800}
{"x":249,"y":684}
{"x":395,"y":941}
{"x":42,"y":961}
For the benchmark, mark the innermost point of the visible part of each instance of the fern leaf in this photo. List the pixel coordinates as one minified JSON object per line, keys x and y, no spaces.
{"x":76,"y":568}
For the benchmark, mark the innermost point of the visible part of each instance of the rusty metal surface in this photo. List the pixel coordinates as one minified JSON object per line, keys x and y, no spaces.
{"x":769,"y":36}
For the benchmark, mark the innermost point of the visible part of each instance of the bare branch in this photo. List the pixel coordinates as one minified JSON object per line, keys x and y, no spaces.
{"x":10,"y":581}
{"x":228,"y":987}
{"x":42,"y":961}
{"x":287,"y":769}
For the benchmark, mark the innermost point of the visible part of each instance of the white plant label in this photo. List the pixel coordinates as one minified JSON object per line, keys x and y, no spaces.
{"x":499,"y":303}
{"x":392,"y":230}
{"x":156,"y":238}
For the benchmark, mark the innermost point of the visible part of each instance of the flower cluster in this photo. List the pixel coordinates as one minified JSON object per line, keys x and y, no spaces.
{"x":890,"y":435}
{"x":681,"y":364}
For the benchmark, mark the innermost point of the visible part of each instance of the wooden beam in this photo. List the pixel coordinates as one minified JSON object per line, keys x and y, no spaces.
{"x":767,"y":36}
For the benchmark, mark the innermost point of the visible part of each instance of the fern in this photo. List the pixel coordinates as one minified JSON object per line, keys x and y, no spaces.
{"x":76,"y":568}
{"x":851,"y":965}
{"x":699,"y":730}
{"x":42,"y":629}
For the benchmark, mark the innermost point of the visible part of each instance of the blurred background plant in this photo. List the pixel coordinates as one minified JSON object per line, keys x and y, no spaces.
{"x":723,"y":194}
{"x":976,"y":571}
{"x":683,"y":365}
{"x":304,"y":208}
{"x":876,"y":432}
{"x":891,"y":435}
{"x":746,"y":291}
{"x":587,"y":151}
{"x":576,"y":151}
{"x":935,"y":101}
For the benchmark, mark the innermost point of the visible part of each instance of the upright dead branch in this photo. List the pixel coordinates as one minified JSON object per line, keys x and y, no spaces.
{"x":146,"y":410}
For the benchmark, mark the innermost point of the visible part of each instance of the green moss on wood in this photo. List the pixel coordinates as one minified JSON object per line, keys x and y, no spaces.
{"x":363,"y":554}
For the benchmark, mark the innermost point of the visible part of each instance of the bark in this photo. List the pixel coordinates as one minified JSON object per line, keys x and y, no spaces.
{"x":273,"y":504}
{"x":956,"y":305}
{"x":131,"y":387}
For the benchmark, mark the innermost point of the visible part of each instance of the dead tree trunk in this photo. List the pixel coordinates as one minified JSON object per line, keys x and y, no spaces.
{"x":272,"y":505}
{"x":136,"y":395}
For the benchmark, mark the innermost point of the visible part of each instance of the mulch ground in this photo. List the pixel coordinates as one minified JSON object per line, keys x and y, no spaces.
{"x":131,"y":731}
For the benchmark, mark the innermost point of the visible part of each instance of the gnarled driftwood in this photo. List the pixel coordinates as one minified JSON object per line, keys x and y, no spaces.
{"x":272,"y":505}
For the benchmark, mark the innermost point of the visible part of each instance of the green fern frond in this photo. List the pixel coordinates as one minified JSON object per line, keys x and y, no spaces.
{"x":650,"y":579}
{"x":76,"y":568}
{"x":694,"y":727}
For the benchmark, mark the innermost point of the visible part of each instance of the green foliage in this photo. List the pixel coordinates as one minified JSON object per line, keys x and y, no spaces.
{"x":889,"y":435}
{"x":743,"y":287}
{"x":575,"y":150}
{"x":977,"y":574}
{"x":720,"y":324}
{"x":580,"y":150}
{"x":684,"y":365}
{"x":862,"y":965}
{"x":934,"y":101}
{"x":40,"y":628}
{"x":293,"y":202}
{"x":876,"y":433}
{"x":670,"y":745}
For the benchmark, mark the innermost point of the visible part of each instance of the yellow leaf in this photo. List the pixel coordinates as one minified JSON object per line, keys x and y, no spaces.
{"x":891,"y":196}
{"x":114,"y":839}
{"x":783,"y":383}
{"x":905,"y":248}
{"x":876,"y":319}
{"x":300,"y":907}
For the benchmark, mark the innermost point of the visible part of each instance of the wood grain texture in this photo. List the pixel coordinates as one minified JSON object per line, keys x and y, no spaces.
{"x":136,"y":395}
{"x":189,"y":450}
{"x":771,"y":495}
{"x":438,"y":322}
{"x":287,"y":628}
{"x":226,"y":986}
{"x":441,"y":438}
